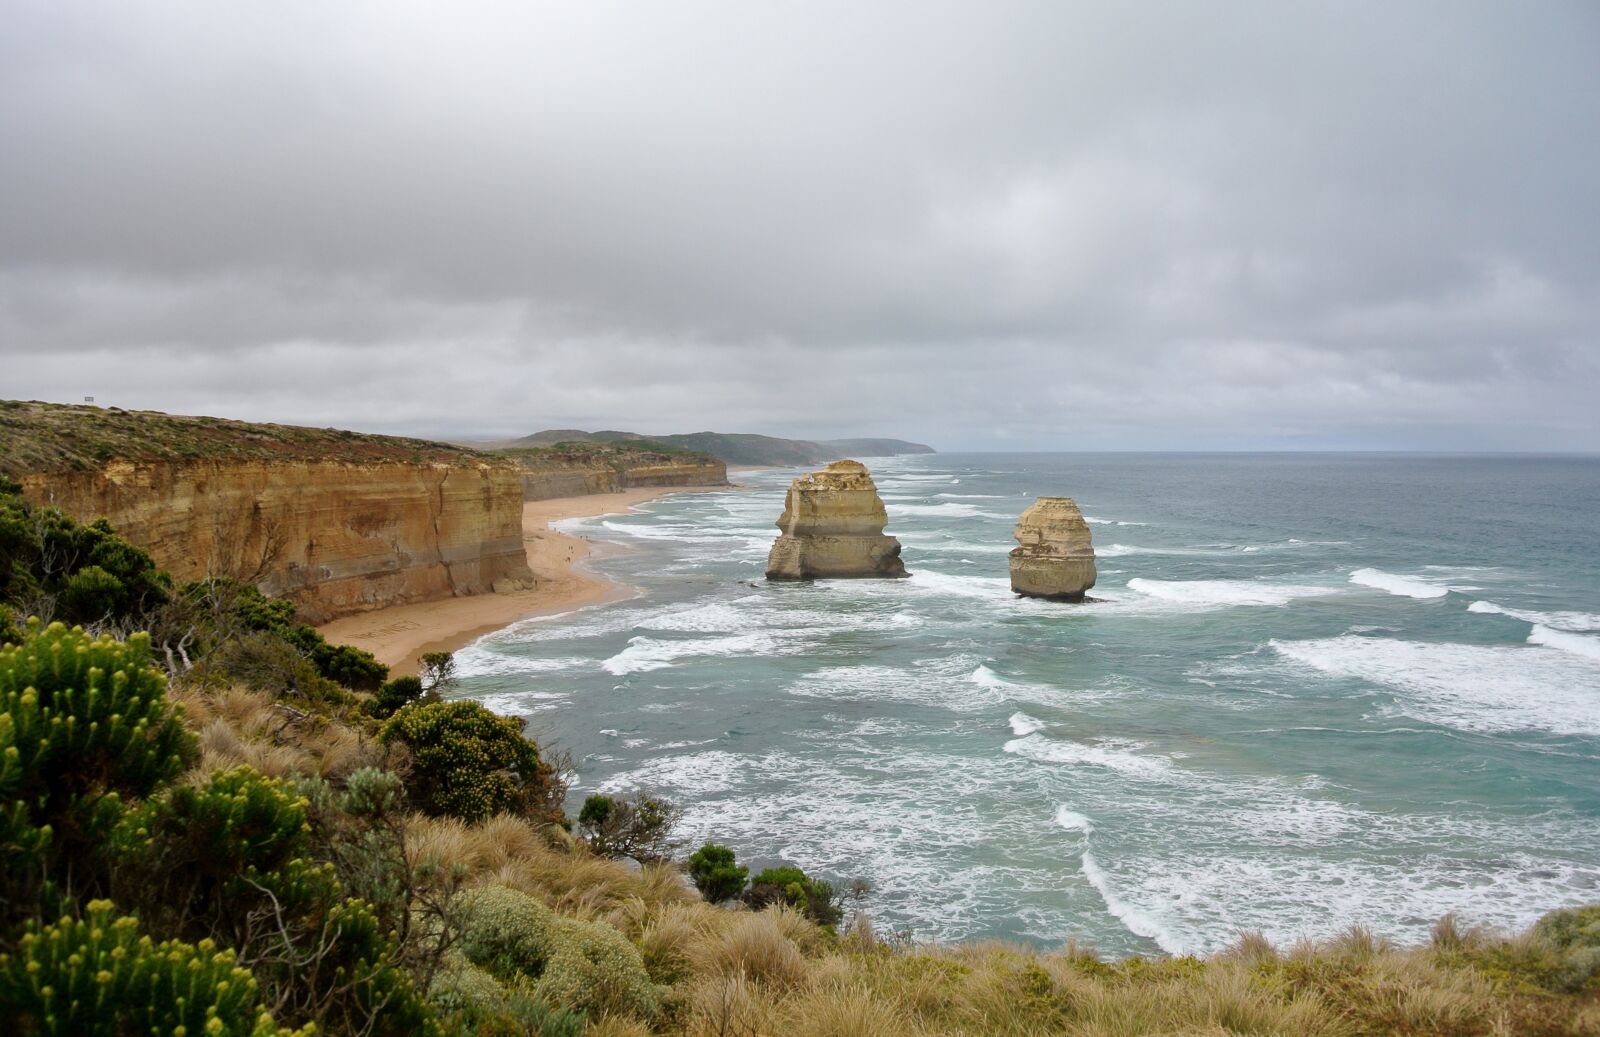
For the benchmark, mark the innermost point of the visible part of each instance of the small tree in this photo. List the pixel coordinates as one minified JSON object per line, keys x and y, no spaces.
{"x":639,"y":827}
{"x":437,"y":672}
{"x":397,"y":694}
{"x":715,"y":873}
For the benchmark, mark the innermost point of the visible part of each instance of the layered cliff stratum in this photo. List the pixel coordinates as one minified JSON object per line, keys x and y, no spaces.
{"x":576,"y":469}
{"x":832,"y":526}
{"x":338,"y":521}
{"x":1054,"y":558}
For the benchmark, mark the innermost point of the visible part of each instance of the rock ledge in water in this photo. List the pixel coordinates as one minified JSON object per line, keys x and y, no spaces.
{"x":1056,"y":558}
{"x":832,"y":526}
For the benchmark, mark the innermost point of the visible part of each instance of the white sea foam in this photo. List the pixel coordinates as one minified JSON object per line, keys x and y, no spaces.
{"x":1073,"y":821}
{"x":482,"y":662}
{"x":1128,"y":763}
{"x":523,"y":703}
{"x":1402,"y":586}
{"x":1111,"y":522}
{"x":1223,"y":593}
{"x":645,"y":653}
{"x":737,"y":616}
{"x":1573,"y":622}
{"x":991,"y":588}
{"x":946,"y":510}
{"x":1137,"y":921}
{"x":1118,"y":550}
{"x":936,"y":683}
{"x":984,"y":677}
{"x":1023,"y":725}
{"x":944,"y":543}
{"x":1577,"y":644}
{"x":859,"y":809}
{"x":682,"y":534}
{"x":1468,"y":687}
{"x":1199,"y":900}
{"x":972,"y":496}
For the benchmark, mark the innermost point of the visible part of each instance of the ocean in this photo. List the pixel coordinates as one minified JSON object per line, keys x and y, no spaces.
{"x":1319,"y":690}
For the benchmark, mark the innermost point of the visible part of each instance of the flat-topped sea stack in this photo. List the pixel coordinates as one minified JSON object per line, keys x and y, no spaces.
{"x":832,"y":527}
{"x":1055,"y":559}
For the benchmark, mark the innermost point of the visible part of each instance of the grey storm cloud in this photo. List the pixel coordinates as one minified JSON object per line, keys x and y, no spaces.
{"x":1028,"y":225}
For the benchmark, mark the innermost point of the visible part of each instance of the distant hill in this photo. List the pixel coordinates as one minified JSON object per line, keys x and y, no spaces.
{"x":876,"y":447}
{"x":737,"y":448}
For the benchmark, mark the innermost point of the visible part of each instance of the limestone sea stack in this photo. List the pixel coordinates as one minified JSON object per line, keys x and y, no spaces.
{"x":1055,"y":559}
{"x":832,"y":526}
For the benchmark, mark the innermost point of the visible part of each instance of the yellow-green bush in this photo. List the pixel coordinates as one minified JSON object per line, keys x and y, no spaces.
{"x":467,"y":762}
{"x":204,"y":853}
{"x":98,"y":976}
{"x":584,"y":966}
{"x":83,"y":721}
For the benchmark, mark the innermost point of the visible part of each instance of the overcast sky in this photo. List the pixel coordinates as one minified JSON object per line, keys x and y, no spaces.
{"x":984,"y":225}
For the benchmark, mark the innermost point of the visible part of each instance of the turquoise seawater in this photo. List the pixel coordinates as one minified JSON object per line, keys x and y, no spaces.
{"x":1320,"y":690}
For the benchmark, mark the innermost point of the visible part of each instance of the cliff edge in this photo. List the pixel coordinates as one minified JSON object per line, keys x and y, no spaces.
{"x":340,"y":522}
{"x":580,"y":468}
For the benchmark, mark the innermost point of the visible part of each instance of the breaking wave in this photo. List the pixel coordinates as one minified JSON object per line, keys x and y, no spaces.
{"x":1403,"y":586}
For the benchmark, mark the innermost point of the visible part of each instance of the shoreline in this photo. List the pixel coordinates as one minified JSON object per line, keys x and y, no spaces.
{"x":399,"y":634}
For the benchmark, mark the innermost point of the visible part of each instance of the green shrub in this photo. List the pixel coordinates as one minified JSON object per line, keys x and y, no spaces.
{"x":349,"y":666}
{"x":580,"y":966}
{"x":467,"y":762}
{"x":232,"y":857}
{"x":639,"y":827}
{"x":77,"y":573}
{"x":98,"y":976}
{"x":265,"y":662}
{"x":344,"y":975}
{"x":204,"y":853}
{"x":1572,"y":937}
{"x":478,"y":1005}
{"x":83,"y":722}
{"x":395,"y":695}
{"x":787,"y":884}
{"x":715,"y":873}
{"x":345,"y":665}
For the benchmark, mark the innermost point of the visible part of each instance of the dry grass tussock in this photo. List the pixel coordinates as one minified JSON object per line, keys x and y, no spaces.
{"x":734,"y":973}
{"x":237,"y":726}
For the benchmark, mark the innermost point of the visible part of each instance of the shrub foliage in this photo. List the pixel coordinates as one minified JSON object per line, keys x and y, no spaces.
{"x":467,"y":762}
{"x":100,"y":977}
{"x":715,"y":873}
{"x":83,"y":723}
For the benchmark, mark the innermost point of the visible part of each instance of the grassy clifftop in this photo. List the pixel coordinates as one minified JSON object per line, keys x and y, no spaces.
{"x":734,"y":447}
{"x":47,"y":437}
{"x":619,"y":455}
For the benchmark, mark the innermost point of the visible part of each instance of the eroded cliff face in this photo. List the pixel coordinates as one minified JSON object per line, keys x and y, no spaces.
{"x":832,"y":526}
{"x":547,"y":483}
{"x":1055,"y":557}
{"x":335,"y":536}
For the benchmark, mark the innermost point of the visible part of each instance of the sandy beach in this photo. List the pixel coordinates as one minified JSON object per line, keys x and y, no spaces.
{"x":399,"y":635}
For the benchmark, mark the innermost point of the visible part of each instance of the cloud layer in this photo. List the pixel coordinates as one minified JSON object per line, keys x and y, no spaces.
{"x":1027,"y":225}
